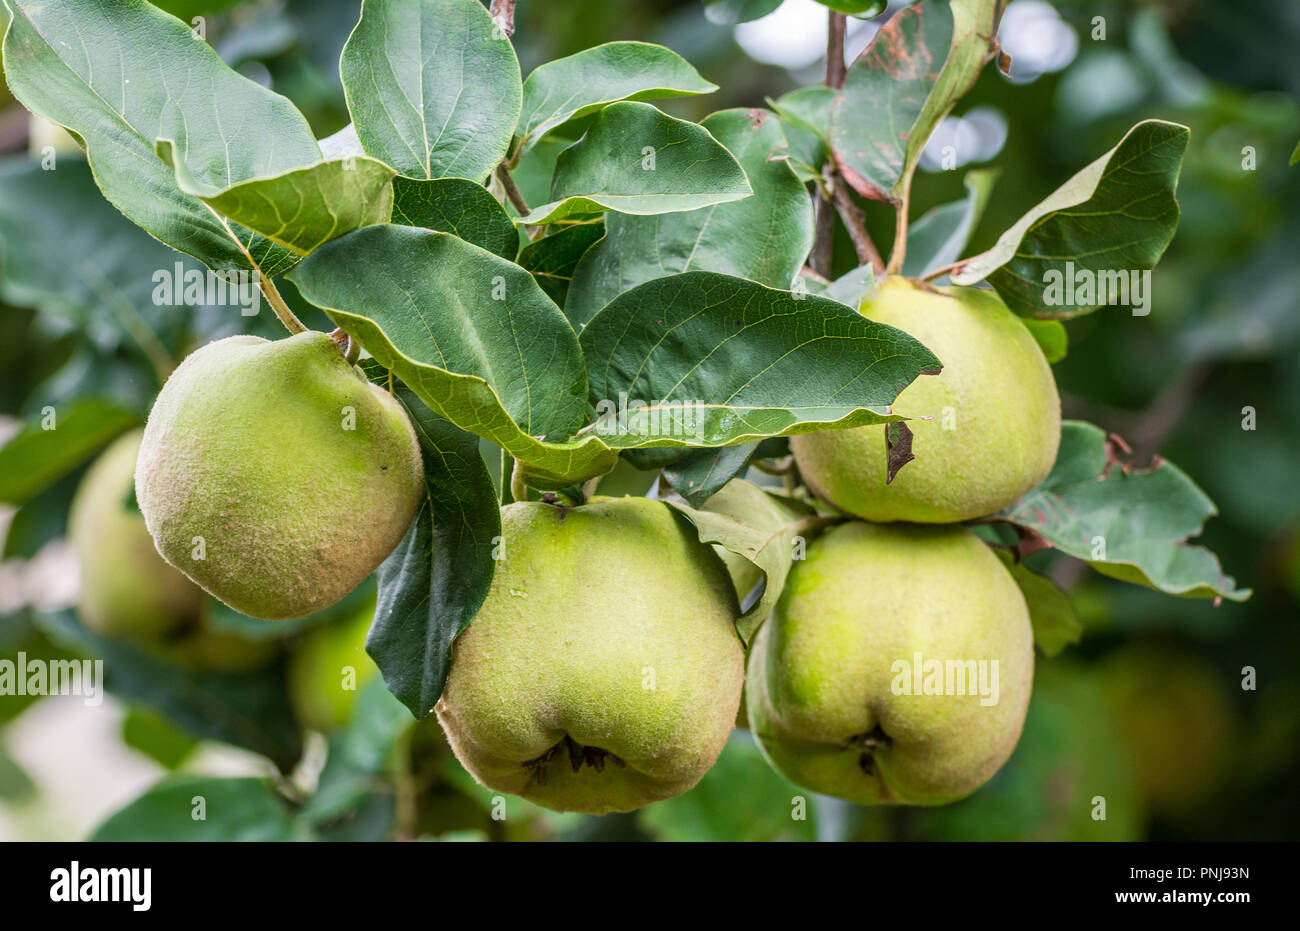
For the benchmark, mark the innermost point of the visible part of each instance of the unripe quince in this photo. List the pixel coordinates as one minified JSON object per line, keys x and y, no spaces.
{"x":275,"y":475}
{"x":996,"y":415}
{"x":832,"y":687}
{"x":127,"y":590}
{"x":322,"y":690}
{"x":603,"y":671}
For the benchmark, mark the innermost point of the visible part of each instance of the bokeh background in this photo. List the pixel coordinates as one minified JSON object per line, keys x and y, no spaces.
{"x":1148,"y":710}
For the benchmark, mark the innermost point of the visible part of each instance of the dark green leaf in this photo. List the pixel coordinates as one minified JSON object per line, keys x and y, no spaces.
{"x":552,"y":259}
{"x":432,"y":585}
{"x":765,"y":237}
{"x":1113,"y":218}
{"x":249,"y":710}
{"x":37,"y":457}
{"x":636,"y":159}
{"x":459,"y":207}
{"x":432,"y":86}
{"x":186,"y":807}
{"x":702,"y":359}
{"x":699,"y":474}
{"x":572,"y":87}
{"x":1126,"y":523}
{"x":152,"y":735}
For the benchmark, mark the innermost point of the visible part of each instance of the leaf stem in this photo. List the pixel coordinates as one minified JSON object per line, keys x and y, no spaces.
{"x":945,"y":270}
{"x":899,"y":251}
{"x":518,"y":487}
{"x":512,"y":192}
{"x":855,"y":221}
{"x":823,"y":250}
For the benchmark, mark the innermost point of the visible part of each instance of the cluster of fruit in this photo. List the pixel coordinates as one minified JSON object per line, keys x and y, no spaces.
{"x":603,"y":670}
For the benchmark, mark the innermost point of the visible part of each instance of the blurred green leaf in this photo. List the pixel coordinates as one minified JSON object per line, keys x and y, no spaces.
{"x":36,"y":457}
{"x":729,"y":12}
{"x":940,"y":235}
{"x":433,"y":88}
{"x":185,"y":807}
{"x":153,"y":736}
{"x":636,"y":159}
{"x":1056,"y":626}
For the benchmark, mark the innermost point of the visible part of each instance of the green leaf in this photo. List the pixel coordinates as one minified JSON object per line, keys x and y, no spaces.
{"x":852,"y":288}
{"x":730,"y":12}
{"x":572,"y":87}
{"x":863,"y":8}
{"x":876,"y":118}
{"x":1051,"y":613}
{"x":701,"y":473}
{"x":152,"y":735}
{"x":1295,"y":156}
{"x":765,"y":237}
{"x":301,"y":208}
{"x":762,"y":527}
{"x":702,"y":359}
{"x":939,"y":236}
{"x":35,"y":458}
{"x":249,"y":710}
{"x":432,"y":585}
{"x":473,"y":335}
{"x":459,"y":207}
{"x":1050,"y":336}
{"x":636,"y":159}
{"x":1116,"y":216}
{"x":1126,"y":523}
{"x":806,"y":115}
{"x":121,"y":74}
{"x":185,"y":807}
{"x":432,"y":86}
{"x":553,"y":259}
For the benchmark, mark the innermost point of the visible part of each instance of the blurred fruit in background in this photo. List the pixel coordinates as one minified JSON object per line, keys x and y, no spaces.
{"x":328,"y":666}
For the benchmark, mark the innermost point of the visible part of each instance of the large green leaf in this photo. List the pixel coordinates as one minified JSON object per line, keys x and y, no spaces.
{"x":187,"y":807}
{"x":472,"y":334}
{"x":637,"y":159}
{"x":938,"y":237}
{"x":875,"y":118}
{"x":300,"y":208}
{"x":703,"y":359}
{"x":728,"y":12}
{"x":459,"y":207}
{"x":36,"y":457}
{"x":1130,"y":524}
{"x":432,"y":585}
{"x":122,"y":74}
{"x":432,"y":86}
{"x":765,"y":237}
{"x":1113,"y":218}
{"x":572,"y":87}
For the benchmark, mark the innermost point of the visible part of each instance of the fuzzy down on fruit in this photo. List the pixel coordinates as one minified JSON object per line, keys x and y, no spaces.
{"x":274,"y":475}
{"x":994,"y":416}
{"x":874,"y":611}
{"x":603,"y":671}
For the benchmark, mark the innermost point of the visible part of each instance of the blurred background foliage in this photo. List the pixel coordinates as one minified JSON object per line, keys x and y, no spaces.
{"x":1148,"y":715}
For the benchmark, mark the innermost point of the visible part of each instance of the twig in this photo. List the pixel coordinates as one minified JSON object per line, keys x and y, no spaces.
{"x":945,"y":270}
{"x":512,"y":192}
{"x":856,"y":223}
{"x":503,"y":14}
{"x":823,"y":250}
{"x":899,"y":250}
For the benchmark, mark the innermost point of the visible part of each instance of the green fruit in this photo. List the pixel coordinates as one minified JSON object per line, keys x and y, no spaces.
{"x":126,"y":588}
{"x":603,"y":671}
{"x":275,"y":475}
{"x":328,"y":669}
{"x":830,"y":669}
{"x":996,"y":416}
{"x":205,"y":648}
{"x":1175,"y":717}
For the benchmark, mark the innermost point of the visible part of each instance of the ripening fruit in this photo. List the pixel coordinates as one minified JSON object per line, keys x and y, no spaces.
{"x":328,"y":669}
{"x":896,"y":668}
{"x":996,"y":416}
{"x":126,"y":588}
{"x":275,"y":475}
{"x":603,"y":671}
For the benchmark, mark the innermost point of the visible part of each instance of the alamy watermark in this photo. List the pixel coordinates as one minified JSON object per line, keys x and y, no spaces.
{"x":946,"y":677}
{"x":25,"y":676}
{"x":195,"y":287}
{"x":1086,"y":287}
{"x":637,"y":417}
